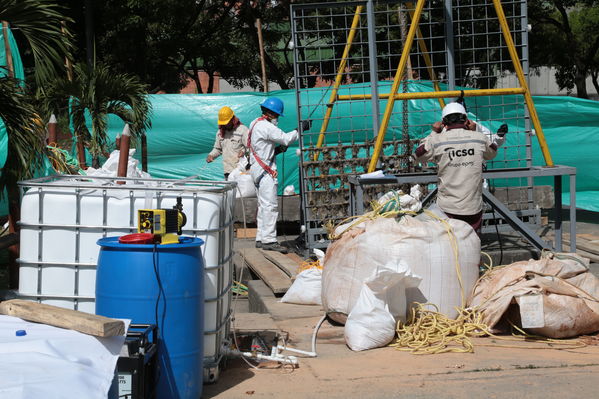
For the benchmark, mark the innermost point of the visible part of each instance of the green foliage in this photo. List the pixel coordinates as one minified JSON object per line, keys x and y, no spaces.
{"x":166,"y":41}
{"x":97,"y":92}
{"x":26,"y":133}
{"x":565,"y":35}
{"x":38,"y":22}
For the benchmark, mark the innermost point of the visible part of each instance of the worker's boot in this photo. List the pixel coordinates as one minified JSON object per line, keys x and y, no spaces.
{"x":274,"y":246}
{"x":258,"y":244}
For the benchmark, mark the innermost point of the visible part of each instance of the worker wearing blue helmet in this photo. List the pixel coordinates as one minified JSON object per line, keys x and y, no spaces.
{"x":263,"y":138}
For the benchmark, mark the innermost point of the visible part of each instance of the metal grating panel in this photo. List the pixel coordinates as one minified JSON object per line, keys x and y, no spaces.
{"x":459,"y":44}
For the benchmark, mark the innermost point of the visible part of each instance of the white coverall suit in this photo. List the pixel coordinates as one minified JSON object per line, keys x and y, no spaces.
{"x":264,"y":137}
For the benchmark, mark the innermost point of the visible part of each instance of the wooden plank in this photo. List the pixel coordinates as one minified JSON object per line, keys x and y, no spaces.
{"x":246,"y":233}
{"x":584,"y":245}
{"x":86,"y":323}
{"x":268,"y":272}
{"x":296,"y":258}
{"x":288,"y":266}
{"x":581,"y":244}
{"x":588,"y":237}
{"x":594,"y":258}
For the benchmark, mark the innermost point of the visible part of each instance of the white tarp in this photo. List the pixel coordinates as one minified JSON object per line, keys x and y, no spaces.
{"x":52,"y":363}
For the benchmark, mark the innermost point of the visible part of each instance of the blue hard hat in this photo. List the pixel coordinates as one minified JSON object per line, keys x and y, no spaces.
{"x":273,"y":104}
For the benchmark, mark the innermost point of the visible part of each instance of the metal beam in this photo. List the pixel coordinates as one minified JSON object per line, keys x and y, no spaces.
{"x":380,"y":138}
{"x":514,"y":221}
{"x":426,"y":56}
{"x":507,"y":36}
{"x":340,"y":71}
{"x":436,"y":94}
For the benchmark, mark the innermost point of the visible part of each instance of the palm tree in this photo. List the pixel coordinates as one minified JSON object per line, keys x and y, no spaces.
{"x":99,"y":91}
{"x":39,"y":22}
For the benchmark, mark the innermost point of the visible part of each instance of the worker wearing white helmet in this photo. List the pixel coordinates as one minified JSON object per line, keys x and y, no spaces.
{"x":231,"y":139}
{"x":459,"y":149}
{"x":263,"y":139}
{"x":497,"y":138}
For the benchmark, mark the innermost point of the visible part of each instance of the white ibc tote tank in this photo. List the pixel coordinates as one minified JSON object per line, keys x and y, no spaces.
{"x":62,"y":217}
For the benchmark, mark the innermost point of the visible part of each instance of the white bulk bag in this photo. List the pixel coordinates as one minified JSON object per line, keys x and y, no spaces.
{"x":382,"y":302}
{"x":306,"y":289}
{"x":422,"y":242}
{"x":245,"y":183}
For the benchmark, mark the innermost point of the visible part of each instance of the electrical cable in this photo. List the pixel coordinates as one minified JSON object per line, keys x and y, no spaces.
{"x":159,"y":327}
{"x":498,"y":237}
{"x":283,"y":199}
{"x":497,"y":232}
{"x":240,"y":278}
{"x":315,"y":333}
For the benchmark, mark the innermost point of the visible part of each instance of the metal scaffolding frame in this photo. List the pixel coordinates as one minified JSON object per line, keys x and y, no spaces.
{"x":341,"y":48}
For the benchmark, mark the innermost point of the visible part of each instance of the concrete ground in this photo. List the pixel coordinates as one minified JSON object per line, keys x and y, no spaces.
{"x":490,"y":372}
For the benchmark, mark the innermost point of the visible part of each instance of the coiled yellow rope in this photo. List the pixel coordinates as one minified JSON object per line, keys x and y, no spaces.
{"x":430,"y":332}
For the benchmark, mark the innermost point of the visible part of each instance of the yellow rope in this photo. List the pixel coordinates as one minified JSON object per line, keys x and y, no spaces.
{"x":489,"y":266}
{"x":431,"y":332}
{"x":372,"y":215}
{"x":309,"y":264}
{"x":454,"y":246}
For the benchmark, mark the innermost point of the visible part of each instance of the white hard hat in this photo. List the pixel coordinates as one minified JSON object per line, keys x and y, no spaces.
{"x":453,"y":108}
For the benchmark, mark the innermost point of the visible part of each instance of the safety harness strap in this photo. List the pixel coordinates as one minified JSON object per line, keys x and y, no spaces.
{"x":263,"y":165}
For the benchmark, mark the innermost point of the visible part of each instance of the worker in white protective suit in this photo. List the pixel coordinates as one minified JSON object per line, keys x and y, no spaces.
{"x":263,"y":138}
{"x":459,"y":147}
{"x":231,"y":139}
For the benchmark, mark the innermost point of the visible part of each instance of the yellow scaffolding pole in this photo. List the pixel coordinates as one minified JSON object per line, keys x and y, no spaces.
{"x":436,"y":94}
{"x":427,"y":58}
{"x":396,"y":81}
{"x":520,"y":73}
{"x":340,"y":70}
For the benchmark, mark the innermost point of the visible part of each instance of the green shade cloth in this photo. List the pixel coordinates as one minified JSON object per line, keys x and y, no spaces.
{"x":184,"y":127}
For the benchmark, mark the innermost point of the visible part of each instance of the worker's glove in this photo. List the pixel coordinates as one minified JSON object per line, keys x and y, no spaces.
{"x":280,"y":149}
{"x":306,"y":125}
{"x":502,"y":130}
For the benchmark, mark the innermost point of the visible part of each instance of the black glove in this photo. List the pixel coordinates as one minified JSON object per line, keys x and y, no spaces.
{"x":502,"y":130}
{"x":306,"y":125}
{"x":280,"y":149}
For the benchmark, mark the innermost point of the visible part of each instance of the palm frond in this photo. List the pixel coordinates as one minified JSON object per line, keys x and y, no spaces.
{"x":100,"y":92}
{"x":40,"y":23}
{"x":26,"y":133}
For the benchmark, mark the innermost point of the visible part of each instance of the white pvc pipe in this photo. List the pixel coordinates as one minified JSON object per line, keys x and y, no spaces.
{"x":301,"y":352}
{"x":278,"y":358}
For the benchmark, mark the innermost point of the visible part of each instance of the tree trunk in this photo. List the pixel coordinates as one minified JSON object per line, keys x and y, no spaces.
{"x":594,"y":76}
{"x":81,"y":152}
{"x":580,"y":79}
{"x":196,"y":80}
{"x":210,"y":82}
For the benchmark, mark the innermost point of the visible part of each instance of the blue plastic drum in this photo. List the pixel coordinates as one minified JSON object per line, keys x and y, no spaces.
{"x":162,"y":285}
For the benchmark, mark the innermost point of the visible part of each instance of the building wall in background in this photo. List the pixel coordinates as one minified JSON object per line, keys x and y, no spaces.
{"x":542,"y":83}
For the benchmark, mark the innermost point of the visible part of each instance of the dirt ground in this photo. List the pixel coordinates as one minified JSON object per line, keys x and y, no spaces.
{"x":337,"y":372}
{"x":490,"y":372}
